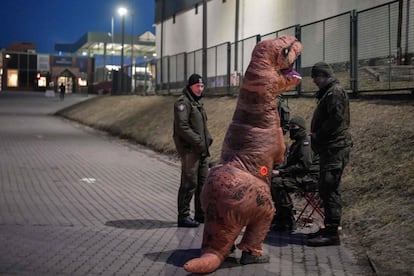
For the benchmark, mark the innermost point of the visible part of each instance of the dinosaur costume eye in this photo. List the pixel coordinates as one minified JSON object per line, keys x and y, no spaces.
{"x":285,"y":51}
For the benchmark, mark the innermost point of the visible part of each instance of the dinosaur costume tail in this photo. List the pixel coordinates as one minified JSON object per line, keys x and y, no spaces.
{"x":207,"y":263}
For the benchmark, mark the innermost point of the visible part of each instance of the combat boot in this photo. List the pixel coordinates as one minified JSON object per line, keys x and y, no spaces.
{"x":316,"y":234}
{"x":188,"y":222}
{"x":284,"y":225}
{"x":326,"y":237}
{"x":284,"y":220}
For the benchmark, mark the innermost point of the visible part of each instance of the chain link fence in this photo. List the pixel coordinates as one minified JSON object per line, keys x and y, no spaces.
{"x":370,"y":50}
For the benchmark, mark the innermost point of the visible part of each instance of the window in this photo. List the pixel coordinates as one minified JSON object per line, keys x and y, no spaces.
{"x":196,"y":9}
{"x":12,"y":78}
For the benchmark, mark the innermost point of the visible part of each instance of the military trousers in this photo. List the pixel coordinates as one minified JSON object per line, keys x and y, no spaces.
{"x":194,"y":170}
{"x":280,"y":189}
{"x":332,"y":164}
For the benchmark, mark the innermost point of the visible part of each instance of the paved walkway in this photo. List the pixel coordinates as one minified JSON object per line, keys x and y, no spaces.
{"x":74,"y":201}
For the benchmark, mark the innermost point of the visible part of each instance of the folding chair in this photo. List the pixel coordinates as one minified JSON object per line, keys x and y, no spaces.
{"x":313,"y":204}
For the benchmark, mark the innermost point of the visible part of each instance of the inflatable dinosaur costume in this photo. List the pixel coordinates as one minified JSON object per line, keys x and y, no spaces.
{"x":237,"y":192}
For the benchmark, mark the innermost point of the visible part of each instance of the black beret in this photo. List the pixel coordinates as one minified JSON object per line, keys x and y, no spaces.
{"x":194,"y":78}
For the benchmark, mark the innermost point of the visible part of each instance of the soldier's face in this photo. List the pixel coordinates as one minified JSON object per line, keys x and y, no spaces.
{"x":320,"y":81}
{"x":197,"y":89}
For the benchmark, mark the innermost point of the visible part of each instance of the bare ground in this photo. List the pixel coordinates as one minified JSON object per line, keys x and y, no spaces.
{"x":377,"y":186}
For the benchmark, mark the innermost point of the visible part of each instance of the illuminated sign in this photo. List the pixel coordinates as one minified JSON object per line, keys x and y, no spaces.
{"x":63,"y":61}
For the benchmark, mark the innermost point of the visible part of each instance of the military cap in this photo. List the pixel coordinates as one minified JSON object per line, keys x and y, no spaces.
{"x":297,"y":120}
{"x":322,"y":69}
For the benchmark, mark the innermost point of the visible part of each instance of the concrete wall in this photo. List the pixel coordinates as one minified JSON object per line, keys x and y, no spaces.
{"x":255,"y":17}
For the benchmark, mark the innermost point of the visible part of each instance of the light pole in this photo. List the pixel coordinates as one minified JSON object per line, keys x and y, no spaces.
{"x":112,"y":40}
{"x":132,"y":53}
{"x":122,"y":12}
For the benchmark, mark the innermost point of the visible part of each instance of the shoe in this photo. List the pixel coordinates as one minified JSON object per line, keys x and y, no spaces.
{"x":286,"y":224}
{"x":248,"y":258}
{"x":188,"y":222}
{"x":320,"y":232}
{"x":199,"y":219}
{"x":283,"y":226}
{"x":324,"y":240}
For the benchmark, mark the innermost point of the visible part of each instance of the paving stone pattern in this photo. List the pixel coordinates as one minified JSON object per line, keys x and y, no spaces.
{"x":74,"y":201}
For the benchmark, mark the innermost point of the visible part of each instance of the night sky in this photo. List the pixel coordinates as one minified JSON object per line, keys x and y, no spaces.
{"x":50,"y":22}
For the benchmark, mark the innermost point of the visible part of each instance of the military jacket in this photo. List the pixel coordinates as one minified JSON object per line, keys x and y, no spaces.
{"x":300,"y":159}
{"x":331,"y":119}
{"x":190,"y":125}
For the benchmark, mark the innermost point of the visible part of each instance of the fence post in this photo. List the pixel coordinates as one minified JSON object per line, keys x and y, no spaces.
{"x":185,"y":68}
{"x":354,"y":53}
{"x":399,"y":35}
{"x":228,"y":68}
{"x":168,"y":76}
{"x":298,"y":34}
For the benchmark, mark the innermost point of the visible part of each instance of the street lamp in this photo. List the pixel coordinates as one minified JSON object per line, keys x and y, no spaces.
{"x":122,"y":12}
{"x":132,"y":53}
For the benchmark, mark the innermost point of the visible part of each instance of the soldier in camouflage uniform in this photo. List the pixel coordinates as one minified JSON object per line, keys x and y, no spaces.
{"x":300,"y":172}
{"x":330,"y":139}
{"x":192,"y":140}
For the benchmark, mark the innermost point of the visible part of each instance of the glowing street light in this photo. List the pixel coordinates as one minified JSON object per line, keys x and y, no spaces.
{"x":122,"y":11}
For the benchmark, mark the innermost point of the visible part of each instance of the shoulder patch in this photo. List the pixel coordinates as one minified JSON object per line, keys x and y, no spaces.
{"x":181,"y":107}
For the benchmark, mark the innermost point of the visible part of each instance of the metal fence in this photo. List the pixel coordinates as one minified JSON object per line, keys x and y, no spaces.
{"x":385,"y":56}
{"x":370,"y":51}
{"x":328,"y":40}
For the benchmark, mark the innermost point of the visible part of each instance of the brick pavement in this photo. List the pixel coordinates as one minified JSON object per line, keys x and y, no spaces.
{"x":74,"y":201}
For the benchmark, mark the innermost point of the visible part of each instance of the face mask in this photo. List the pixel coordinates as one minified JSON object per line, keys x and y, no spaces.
{"x":293,"y":132}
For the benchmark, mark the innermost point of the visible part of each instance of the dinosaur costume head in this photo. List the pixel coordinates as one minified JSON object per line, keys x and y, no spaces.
{"x":272,"y":65}
{"x":237,"y":192}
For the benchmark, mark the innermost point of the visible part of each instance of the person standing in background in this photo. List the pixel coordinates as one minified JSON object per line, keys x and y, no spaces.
{"x":331,"y":139}
{"x":192,"y":140}
{"x":62,"y":91}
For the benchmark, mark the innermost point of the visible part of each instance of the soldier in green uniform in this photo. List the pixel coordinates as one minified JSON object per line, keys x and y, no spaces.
{"x":330,"y":139}
{"x":300,"y":171}
{"x":192,"y":140}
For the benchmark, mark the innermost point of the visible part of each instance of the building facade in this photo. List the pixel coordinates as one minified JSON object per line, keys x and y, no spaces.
{"x":179,"y":24}
{"x":369,"y":43}
{"x":24,"y":69}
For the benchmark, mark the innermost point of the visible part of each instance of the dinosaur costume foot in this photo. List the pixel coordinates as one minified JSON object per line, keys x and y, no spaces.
{"x":248,"y":258}
{"x":207,"y":263}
